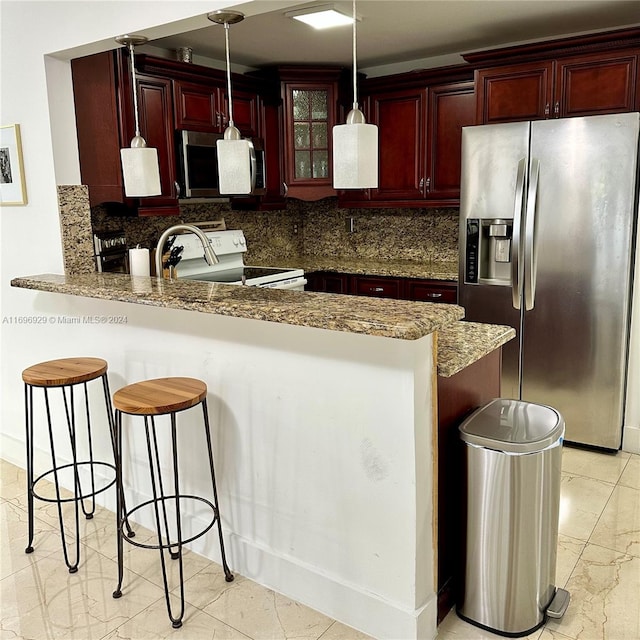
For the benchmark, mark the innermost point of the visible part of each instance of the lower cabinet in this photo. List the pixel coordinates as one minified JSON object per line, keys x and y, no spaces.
{"x":442,"y":291}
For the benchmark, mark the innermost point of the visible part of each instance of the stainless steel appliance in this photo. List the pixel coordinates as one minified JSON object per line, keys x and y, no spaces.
{"x":548,"y":212}
{"x":197,"y":159}
{"x":110,"y":251}
{"x":513,"y":453}
{"x":230,"y":247}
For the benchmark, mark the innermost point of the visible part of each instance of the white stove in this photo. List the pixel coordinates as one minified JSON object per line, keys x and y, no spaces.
{"x":230,"y":247}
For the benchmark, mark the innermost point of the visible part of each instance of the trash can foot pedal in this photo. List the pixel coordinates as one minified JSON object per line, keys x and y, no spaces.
{"x":559,"y":604}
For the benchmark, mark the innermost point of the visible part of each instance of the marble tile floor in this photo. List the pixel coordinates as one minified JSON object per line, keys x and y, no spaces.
{"x":598,"y":562}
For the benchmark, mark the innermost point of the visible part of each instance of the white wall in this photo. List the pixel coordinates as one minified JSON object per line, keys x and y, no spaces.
{"x":36,"y":93}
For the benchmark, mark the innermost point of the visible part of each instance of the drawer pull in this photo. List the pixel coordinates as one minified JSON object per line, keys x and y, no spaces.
{"x":376,"y":289}
{"x":434,"y":295}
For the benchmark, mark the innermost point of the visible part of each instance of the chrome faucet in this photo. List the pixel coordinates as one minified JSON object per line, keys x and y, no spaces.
{"x":209,"y":254}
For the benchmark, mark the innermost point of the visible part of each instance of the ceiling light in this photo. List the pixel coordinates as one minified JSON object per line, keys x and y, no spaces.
{"x":140,"y":168}
{"x":355,"y":144}
{"x":322,"y":17}
{"x":234,"y":153}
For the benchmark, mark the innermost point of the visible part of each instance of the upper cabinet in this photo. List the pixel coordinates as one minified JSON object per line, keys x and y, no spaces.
{"x":203,"y":106}
{"x":588,"y":75}
{"x":311,"y":106}
{"x":419,"y":140}
{"x":171,"y":95}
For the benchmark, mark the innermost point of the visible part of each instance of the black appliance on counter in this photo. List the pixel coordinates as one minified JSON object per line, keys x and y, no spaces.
{"x":110,"y":251}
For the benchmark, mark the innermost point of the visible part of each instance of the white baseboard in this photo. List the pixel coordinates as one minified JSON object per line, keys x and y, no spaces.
{"x":631,"y":439}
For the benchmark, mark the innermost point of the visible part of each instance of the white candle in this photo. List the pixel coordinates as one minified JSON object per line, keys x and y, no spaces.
{"x":139,"y":264}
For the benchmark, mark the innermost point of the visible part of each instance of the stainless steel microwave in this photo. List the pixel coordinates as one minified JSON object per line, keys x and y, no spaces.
{"x":197,"y":158}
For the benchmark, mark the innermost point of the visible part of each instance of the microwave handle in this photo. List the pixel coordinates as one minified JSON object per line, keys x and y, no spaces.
{"x":254,"y":165}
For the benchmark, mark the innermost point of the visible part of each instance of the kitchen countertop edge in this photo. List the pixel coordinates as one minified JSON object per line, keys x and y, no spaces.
{"x":460,"y":344}
{"x":399,"y":319}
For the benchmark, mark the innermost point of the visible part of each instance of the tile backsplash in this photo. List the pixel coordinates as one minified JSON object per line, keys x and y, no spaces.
{"x":316,"y":229}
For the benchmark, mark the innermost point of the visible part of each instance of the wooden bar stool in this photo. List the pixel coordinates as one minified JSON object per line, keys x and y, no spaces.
{"x":65,"y":374}
{"x":150,"y":398}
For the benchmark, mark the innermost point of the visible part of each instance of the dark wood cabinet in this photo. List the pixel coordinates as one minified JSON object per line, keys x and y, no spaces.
{"x":327,"y":282}
{"x":376,"y":286}
{"x":514,"y":93}
{"x":197,"y":106}
{"x":579,"y":85}
{"x":310,"y":114}
{"x":431,"y":290}
{"x":104,"y":120}
{"x":597,"y":84}
{"x":419,"y":141}
{"x":171,"y":95}
{"x":451,"y":107}
{"x":402,"y":127}
{"x":155,"y":103}
{"x":417,"y":289}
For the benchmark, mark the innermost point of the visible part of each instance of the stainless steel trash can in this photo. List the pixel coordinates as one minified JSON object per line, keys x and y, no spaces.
{"x":513,"y":456}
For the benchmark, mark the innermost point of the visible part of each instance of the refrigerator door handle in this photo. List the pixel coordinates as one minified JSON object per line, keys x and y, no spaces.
{"x":530,"y":266}
{"x":516,"y":266}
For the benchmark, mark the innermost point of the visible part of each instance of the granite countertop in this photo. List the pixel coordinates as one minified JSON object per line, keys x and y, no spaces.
{"x":432,"y":270}
{"x":463,"y":343}
{"x":401,"y":319}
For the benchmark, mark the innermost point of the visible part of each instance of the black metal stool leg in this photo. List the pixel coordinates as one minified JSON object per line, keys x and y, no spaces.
{"x":173,"y":554}
{"x":160,"y":498}
{"x":73,"y":567}
{"x":121,"y":516}
{"x":112,"y":430}
{"x":228,"y":576}
{"x":91,"y":512}
{"x":28,"y":412}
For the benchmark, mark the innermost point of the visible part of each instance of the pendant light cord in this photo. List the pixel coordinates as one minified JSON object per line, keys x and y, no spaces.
{"x":135,"y":89}
{"x":226,"y":41}
{"x":355,"y":89}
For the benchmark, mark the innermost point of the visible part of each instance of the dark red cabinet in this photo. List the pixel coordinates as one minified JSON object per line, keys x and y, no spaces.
{"x":156,"y":124}
{"x":574,"y":86}
{"x":417,"y":289}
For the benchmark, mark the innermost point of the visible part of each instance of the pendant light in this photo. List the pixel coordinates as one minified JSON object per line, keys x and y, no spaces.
{"x":140,"y":168}
{"x":234,"y":153}
{"x":355,"y":144}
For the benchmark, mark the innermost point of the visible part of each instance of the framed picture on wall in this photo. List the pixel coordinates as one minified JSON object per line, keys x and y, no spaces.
{"x":13,"y":191}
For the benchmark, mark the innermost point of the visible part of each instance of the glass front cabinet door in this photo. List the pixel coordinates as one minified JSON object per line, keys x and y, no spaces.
{"x":309,"y":119}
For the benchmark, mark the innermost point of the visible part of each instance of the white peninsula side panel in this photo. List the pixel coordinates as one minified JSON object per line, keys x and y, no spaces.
{"x":322,"y":441}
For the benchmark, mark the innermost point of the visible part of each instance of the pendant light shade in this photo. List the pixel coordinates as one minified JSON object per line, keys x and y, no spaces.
{"x":140,"y":167}
{"x":234,"y":153}
{"x":355,"y":144}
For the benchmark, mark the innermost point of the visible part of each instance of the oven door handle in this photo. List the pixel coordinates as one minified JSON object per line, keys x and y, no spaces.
{"x":296,"y":284}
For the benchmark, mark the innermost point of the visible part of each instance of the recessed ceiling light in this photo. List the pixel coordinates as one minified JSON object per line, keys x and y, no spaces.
{"x":323,"y":17}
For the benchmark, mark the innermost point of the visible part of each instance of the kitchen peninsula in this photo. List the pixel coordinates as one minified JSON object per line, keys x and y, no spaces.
{"x":324,"y":410}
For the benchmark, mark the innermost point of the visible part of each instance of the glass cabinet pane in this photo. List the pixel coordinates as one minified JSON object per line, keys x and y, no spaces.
{"x":319,"y":106}
{"x":301,"y":139}
{"x":309,"y":133}
{"x":320,"y":164}
{"x":303,"y":164}
{"x":319,"y":134}
{"x":300,"y":104}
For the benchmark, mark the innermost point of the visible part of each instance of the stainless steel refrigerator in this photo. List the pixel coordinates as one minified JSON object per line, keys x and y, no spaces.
{"x":548,"y":212}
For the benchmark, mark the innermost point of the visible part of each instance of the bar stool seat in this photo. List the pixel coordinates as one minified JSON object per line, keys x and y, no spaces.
{"x":66,"y":373}
{"x":152,"y":399}
{"x":160,"y":396}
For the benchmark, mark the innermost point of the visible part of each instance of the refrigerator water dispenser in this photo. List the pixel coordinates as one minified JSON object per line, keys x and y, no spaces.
{"x":488,"y":251}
